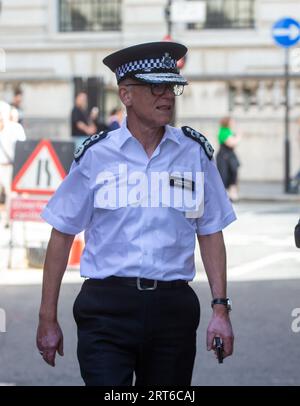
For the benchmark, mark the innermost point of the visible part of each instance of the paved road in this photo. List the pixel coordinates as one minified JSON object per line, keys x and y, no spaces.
{"x":264,"y":282}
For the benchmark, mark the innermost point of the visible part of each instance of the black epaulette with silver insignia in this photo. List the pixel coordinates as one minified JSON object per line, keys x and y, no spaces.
{"x":80,"y":151}
{"x":198,"y":137}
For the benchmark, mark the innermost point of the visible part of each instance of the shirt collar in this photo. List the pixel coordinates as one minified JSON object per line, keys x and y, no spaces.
{"x":171,"y":134}
{"x":124,"y":134}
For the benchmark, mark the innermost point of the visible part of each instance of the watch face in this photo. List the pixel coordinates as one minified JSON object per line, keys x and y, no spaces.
{"x":229,"y":305}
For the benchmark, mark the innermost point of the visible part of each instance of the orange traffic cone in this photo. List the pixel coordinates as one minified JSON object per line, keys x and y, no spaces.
{"x":76,"y":250}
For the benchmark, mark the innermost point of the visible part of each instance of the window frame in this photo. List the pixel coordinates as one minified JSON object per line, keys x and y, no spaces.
{"x":116,"y":26}
{"x":233,"y":24}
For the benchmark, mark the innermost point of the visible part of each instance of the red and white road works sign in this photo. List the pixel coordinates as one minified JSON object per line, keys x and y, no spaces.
{"x":27,"y":209}
{"x":42,"y":173}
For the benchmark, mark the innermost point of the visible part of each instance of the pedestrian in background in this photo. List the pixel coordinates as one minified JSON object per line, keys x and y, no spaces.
{"x":227,"y":160}
{"x":10,"y":133}
{"x":81,"y":124}
{"x":16,"y":105}
{"x":115,"y":118}
{"x":136,"y":312}
{"x":95,"y":117}
{"x":297,"y":234}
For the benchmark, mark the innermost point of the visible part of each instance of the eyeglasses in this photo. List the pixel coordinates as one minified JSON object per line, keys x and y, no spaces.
{"x":158,"y":89}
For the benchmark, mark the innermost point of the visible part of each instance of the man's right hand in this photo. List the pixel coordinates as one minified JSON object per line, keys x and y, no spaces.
{"x":49,"y":339}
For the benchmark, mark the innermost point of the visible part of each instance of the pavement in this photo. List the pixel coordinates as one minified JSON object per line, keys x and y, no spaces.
{"x":250,"y":191}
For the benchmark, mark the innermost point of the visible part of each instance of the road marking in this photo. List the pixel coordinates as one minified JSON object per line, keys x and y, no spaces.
{"x":243,"y":240}
{"x":263,"y":262}
{"x":259,"y":269}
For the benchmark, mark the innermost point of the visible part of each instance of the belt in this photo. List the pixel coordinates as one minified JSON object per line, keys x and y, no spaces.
{"x":139,"y":283}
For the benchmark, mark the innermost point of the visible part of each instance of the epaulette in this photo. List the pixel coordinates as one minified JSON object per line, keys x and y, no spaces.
{"x":80,"y":151}
{"x":198,"y":137}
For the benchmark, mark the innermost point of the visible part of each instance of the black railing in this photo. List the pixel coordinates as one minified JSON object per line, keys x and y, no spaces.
{"x":90,"y":15}
{"x":222,"y":14}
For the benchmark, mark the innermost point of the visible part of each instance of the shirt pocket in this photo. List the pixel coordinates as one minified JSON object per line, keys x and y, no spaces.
{"x":185,"y":192}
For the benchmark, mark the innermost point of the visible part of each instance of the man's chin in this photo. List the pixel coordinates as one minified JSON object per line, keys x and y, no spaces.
{"x":166,"y":119}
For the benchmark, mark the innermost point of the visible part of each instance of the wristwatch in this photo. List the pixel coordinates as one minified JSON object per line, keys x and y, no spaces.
{"x":223,"y":301}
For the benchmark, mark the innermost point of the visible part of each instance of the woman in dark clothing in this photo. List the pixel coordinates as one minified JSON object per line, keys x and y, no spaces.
{"x":227,"y":161}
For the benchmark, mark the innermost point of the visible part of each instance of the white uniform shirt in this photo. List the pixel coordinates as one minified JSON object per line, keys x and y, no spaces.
{"x":127,"y":239}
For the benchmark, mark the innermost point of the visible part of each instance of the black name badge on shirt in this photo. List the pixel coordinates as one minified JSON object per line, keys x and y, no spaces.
{"x":182,"y":183}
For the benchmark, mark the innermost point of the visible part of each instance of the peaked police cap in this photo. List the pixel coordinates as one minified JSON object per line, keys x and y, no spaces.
{"x":152,"y":62}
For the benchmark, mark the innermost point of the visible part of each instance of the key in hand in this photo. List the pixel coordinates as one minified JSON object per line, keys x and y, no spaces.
{"x":219,"y":349}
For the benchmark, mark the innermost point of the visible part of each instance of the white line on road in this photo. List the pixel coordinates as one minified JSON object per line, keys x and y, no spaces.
{"x":263,"y":262}
{"x":244,"y":240}
{"x":259,"y":269}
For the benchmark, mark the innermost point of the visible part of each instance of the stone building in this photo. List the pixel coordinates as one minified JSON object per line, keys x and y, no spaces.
{"x":51,"y":48}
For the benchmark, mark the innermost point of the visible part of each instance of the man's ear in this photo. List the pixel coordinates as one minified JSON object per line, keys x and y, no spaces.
{"x":125,"y":96}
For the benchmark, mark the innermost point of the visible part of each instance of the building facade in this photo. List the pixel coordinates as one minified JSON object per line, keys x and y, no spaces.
{"x":51,"y":48}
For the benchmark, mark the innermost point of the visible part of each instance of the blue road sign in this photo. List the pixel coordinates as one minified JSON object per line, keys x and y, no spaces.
{"x":286,"y":32}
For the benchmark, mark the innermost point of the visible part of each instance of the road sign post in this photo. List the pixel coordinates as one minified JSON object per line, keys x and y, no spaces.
{"x":286,"y":33}
{"x":287,"y":122}
{"x":168,"y":18}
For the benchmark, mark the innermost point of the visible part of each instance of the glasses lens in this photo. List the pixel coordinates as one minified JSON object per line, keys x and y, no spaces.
{"x":178,"y":90}
{"x":158,"y":89}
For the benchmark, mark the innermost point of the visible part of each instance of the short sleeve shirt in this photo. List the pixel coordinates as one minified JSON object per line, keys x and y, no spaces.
{"x":133,"y":229}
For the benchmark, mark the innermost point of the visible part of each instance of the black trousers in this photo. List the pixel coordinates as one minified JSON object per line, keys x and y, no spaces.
{"x":122,"y":331}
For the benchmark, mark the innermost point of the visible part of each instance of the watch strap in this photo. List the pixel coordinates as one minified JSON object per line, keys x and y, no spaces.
{"x":222,"y":301}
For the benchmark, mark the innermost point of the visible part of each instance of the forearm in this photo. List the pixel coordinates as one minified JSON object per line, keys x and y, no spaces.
{"x":213,"y":255}
{"x":88,"y":129}
{"x":233,"y":141}
{"x":55,"y":264}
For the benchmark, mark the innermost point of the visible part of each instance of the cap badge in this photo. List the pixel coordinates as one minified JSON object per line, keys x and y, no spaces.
{"x":166,"y":61}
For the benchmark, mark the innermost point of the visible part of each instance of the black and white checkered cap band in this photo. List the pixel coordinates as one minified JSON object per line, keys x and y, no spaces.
{"x":161,"y":78}
{"x":147,"y":65}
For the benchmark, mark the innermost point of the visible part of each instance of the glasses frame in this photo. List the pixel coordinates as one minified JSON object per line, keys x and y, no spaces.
{"x":164,"y":86}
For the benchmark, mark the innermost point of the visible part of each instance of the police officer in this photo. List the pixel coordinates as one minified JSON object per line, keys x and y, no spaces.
{"x":139,"y":195}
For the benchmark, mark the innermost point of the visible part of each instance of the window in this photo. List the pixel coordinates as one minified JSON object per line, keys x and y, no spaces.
{"x":89,"y":15}
{"x":227,"y":14}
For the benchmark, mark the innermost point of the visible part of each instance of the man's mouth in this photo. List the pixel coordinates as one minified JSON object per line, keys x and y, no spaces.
{"x":164,"y":108}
